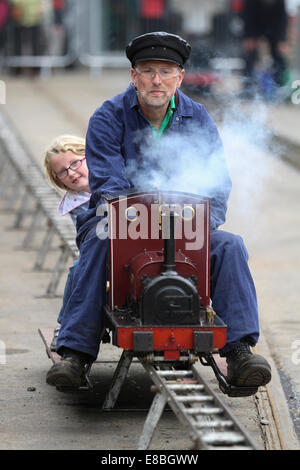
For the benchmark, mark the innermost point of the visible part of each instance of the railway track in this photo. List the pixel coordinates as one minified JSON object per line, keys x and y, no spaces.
{"x":21,"y":166}
{"x":210,"y":423}
{"x":20,"y":170}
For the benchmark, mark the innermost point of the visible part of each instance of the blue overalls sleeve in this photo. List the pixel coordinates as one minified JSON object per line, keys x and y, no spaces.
{"x":103,"y":154}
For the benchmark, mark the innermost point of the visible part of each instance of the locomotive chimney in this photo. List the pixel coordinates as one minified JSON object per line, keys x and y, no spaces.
{"x":169,"y":241}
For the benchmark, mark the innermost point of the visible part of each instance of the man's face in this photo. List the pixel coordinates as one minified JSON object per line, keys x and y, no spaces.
{"x":156,"y":82}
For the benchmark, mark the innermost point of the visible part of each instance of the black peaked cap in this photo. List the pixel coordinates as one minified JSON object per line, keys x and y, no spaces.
{"x":158,"y":46}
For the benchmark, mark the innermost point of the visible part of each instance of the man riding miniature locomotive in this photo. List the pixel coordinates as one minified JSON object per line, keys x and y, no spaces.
{"x":153,"y":107}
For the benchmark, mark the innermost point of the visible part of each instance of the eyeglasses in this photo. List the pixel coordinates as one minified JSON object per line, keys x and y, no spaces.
{"x":165,"y":73}
{"x":74,"y":166}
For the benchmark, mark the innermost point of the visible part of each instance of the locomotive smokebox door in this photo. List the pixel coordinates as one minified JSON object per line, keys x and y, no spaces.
{"x":170,"y":300}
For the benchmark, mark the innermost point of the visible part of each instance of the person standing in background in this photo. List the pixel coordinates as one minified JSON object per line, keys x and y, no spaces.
{"x":153,"y":15}
{"x":27,"y":17}
{"x":4,"y":18}
{"x":58,"y":31}
{"x":264,"y":19}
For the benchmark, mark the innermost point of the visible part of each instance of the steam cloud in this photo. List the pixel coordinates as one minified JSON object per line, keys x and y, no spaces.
{"x":181,"y":162}
{"x":250,"y":154}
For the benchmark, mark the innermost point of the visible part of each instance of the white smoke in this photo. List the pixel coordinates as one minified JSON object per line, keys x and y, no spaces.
{"x":180,"y":162}
{"x":251,"y":155}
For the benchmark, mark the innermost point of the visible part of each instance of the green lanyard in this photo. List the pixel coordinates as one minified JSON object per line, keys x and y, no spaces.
{"x":167,"y":119}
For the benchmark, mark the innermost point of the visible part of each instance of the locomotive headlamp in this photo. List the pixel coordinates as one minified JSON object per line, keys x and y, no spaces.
{"x":131,"y":214}
{"x":187,"y":213}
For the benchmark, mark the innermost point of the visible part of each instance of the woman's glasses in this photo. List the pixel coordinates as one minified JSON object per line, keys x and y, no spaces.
{"x":74,"y":166}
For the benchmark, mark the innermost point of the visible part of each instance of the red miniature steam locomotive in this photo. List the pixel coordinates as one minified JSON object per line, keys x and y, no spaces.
{"x":158,"y":293}
{"x":159,"y":279}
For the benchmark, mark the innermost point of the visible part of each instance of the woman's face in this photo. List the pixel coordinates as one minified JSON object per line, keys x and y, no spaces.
{"x":76,"y":180}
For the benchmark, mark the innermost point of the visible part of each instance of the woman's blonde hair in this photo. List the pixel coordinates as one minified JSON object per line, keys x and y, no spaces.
{"x":62,"y":144}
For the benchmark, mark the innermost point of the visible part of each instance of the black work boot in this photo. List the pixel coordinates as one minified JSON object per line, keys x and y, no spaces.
{"x":245,"y":369}
{"x":69,"y":372}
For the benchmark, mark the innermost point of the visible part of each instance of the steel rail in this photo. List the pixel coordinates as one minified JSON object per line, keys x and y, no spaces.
{"x":209,"y":421}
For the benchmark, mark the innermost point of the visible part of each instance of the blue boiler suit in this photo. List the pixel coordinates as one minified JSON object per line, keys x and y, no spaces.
{"x":119,"y":149}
